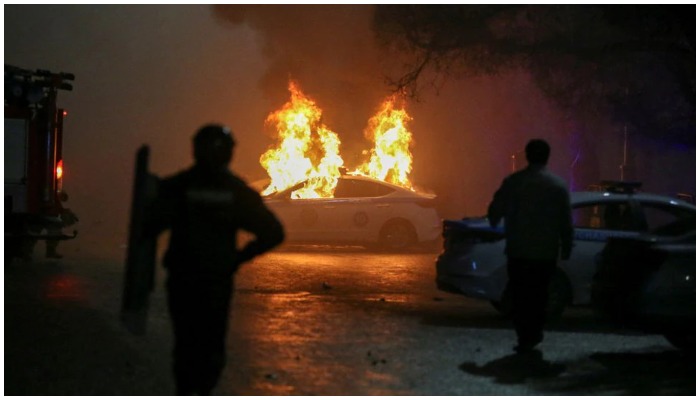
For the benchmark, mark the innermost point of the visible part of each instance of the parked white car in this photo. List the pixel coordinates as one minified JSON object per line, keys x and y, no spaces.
{"x":473,"y":262}
{"x":362,"y":211}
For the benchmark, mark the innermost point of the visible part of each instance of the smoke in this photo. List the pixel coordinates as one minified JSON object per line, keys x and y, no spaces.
{"x":464,"y":136}
{"x":154,"y":74}
{"x":144,"y":75}
{"x":329,"y":50}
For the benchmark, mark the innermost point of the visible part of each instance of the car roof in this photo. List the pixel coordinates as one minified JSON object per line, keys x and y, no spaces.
{"x":384,"y":183}
{"x":397,"y":188}
{"x":595,"y":197}
{"x":370,"y":179}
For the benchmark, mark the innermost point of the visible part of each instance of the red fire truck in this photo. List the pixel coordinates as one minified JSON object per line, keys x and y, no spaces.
{"x":33,"y":157}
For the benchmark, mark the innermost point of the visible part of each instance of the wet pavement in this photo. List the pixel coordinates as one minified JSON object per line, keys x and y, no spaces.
{"x":318,"y":321}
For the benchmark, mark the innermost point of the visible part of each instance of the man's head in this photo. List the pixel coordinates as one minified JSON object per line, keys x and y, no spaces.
{"x":213,"y":146}
{"x":537,"y":152}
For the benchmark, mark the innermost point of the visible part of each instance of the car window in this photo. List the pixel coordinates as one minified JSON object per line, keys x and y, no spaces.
{"x":617,"y":216}
{"x":355,"y":188}
{"x":286,"y":193}
{"x":659,"y":215}
{"x":681,"y":226}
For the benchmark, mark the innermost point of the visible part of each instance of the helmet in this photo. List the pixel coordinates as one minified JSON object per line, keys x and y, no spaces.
{"x":213,"y":146}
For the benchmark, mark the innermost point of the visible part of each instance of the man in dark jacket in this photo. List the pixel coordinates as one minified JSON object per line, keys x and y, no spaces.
{"x":538,"y":226}
{"x":204,"y":207}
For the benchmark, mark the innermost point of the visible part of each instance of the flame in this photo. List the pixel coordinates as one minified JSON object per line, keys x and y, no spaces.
{"x":391,"y":159}
{"x":306,"y":149}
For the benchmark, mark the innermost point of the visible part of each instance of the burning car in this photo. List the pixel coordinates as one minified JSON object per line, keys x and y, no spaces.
{"x":473,"y":262}
{"x":362,"y":211}
{"x":320,"y":202}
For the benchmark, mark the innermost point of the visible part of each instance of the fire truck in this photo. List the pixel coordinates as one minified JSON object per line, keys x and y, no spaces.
{"x":33,"y":158}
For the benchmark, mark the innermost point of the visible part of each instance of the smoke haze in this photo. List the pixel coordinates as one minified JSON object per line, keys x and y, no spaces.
{"x":154,"y":74}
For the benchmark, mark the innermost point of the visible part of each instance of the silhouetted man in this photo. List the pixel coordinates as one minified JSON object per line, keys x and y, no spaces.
{"x":204,"y":207}
{"x":538,"y":226}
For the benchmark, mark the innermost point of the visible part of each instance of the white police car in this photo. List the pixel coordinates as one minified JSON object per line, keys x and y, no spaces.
{"x":473,"y":262}
{"x":363,"y":211}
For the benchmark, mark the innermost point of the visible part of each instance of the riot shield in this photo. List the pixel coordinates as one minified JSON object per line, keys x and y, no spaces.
{"x":139,"y":278}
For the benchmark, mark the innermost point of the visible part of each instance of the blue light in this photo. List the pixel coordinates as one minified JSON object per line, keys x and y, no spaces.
{"x":473,"y":265}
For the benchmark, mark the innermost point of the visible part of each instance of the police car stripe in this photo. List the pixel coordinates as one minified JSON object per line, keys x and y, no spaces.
{"x":594,"y":235}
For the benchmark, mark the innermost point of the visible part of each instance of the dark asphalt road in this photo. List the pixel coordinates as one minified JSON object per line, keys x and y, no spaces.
{"x":316,"y":321}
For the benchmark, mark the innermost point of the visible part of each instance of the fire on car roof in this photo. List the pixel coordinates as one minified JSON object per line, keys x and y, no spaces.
{"x":307,"y":149}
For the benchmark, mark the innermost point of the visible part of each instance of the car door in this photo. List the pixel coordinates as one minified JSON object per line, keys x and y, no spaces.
{"x":303,"y":219}
{"x":594,"y":223}
{"x":361,"y":208}
{"x":659,"y":214}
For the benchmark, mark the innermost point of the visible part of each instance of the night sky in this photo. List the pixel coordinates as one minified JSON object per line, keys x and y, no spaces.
{"x":154,"y":74}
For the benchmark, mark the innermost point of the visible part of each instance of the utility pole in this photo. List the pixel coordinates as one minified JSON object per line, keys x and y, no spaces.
{"x":623,"y":167}
{"x":514,"y":159}
{"x":624,"y":156}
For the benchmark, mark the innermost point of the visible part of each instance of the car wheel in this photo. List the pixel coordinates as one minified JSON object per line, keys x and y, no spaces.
{"x":682,"y":340}
{"x":396,"y":235}
{"x":559,"y":296}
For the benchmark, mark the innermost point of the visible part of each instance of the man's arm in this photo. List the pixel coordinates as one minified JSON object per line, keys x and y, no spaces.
{"x":261,"y":222}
